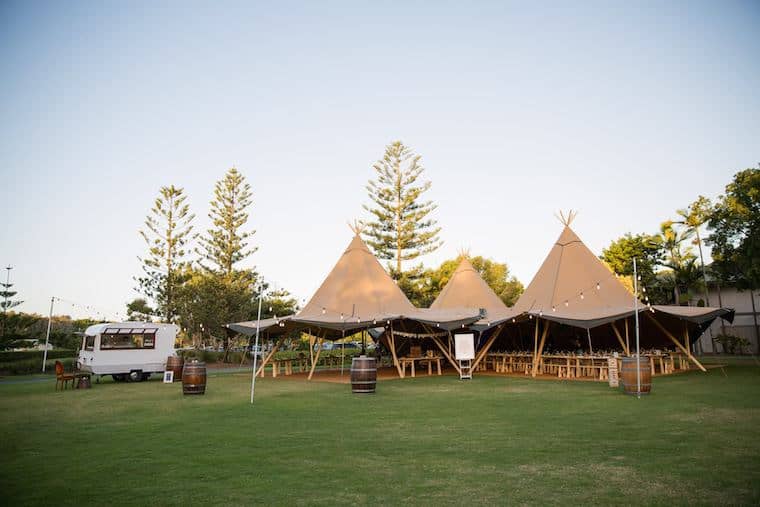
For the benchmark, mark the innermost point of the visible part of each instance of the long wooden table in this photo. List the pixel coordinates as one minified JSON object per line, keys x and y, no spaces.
{"x":404,"y":361}
{"x":578,"y":366}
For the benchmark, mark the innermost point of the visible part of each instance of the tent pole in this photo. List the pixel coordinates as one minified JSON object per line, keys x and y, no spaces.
{"x":392,"y":343}
{"x":487,"y":346}
{"x":316,"y":357}
{"x":541,"y":347}
{"x":446,"y":354}
{"x":627,"y":344}
{"x":590,"y":348}
{"x":623,"y":344}
{"x":266,"y":360}
{"x":674,"y":340}
{"x":535,"y":342}
{"x":342,"y":351}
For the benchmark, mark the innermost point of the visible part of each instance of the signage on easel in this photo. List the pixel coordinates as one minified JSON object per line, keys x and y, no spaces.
{"x":464,"y":346}
{"x":613,"y":369}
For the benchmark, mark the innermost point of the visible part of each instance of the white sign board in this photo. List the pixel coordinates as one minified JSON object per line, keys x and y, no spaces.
{"x":613,"y":367}
{"x":464,"y":346}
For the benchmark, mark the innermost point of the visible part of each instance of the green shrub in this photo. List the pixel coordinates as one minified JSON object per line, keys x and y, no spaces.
{"x":18,"y":355}
{"x":29,"y":366}
{"x":732,"y":344}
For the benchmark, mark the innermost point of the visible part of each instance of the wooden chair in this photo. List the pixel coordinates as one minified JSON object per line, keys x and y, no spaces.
{"x":62,"y":377}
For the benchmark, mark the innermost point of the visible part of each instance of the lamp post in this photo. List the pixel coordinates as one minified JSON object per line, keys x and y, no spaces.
{"x":636,"y":316}
{"x":256,"y":345}
{"x":47,"y":335}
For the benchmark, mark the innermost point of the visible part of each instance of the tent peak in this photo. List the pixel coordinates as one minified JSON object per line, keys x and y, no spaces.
{"x":463,"y":253}
{"x":357,"y":227}
{"x":568,"y":218}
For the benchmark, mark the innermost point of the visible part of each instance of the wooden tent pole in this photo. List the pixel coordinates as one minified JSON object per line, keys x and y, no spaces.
{"x":675,"y":340}
{"x":441,"y":346}
{"x":620,"y":339}
{"x":316,"y":357}
{"x":484,"y":350}
{"x":392,"y":343}
{"x":269,"y":356}
{"x":540,"y":348}
{"x":627,"y":343}
{"x":535,"y":342}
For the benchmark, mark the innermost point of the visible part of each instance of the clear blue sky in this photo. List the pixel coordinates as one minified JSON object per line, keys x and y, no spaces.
{"x":625,"y":111}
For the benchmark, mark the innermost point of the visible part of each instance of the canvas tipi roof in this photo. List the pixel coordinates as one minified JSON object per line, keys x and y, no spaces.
{"x":467,"y":289}
{"x":574,"y":287}
{"x":356,"y":294}
{"x":357,"y":290}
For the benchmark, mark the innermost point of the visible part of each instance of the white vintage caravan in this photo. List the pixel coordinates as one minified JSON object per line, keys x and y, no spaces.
{"x":127,"y":350}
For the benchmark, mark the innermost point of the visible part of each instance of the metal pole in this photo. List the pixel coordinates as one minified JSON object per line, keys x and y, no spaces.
{"x":47,"y":336}
{"x":636,"y":315}
{"x":256,"y":345}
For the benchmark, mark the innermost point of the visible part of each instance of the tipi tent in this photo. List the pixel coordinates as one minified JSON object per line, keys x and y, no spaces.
{"x":574,"y":288}
{"x":356,"y":295}
{"x":467,"y":289}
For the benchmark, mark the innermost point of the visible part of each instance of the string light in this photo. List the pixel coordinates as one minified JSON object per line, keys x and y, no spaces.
{"x":598,"y":286}
{"x":554,"y":309}
{"x":324,"y":310}
{"x":513,"y":320}
{"x":567,"y":303}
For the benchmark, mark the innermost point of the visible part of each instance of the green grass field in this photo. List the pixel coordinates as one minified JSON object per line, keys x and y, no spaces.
{"x":695,"y":440}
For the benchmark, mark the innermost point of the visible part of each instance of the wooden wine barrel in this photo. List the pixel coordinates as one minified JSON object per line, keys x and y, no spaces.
{"x":628,"y":376}
{"x":363,"y":374}
{"x":194,"y":378}
{"x":175,"y":364}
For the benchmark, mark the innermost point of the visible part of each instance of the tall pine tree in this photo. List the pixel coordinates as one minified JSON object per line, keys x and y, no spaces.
{"x":224,"y":245}
{"x":6,"y":302}
{"x":401,"y":228}
{"x":167,"y":230}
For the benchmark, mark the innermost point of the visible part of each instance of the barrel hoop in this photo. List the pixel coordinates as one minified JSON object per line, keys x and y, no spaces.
{"x":363,"y":369}
{"x":363,"y":382}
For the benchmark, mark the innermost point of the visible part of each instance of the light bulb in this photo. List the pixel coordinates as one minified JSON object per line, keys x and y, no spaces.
{"x":541,"y":313}
{"x":324,"y":311}
{"x":597,"y":286}
{"x":567,"y":303}
{"x":341,"y":316}
{"x":374,"y":321}
{"x":643,"y":289}
{"x":554,"y":309}
{"x":582,"y":296}
{"x":513,"y":321}
{"x":530,"y":317}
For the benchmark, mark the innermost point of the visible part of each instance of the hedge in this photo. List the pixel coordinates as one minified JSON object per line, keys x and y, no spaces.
{"x":19,"y":355}
{"x":29,"y":366}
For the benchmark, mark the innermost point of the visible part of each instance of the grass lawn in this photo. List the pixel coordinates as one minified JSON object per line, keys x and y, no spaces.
{"x":436,"y":440}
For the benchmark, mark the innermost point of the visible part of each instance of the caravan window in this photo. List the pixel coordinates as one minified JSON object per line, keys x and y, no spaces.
{"x":89,"y":342}
{"x":114,"y":338}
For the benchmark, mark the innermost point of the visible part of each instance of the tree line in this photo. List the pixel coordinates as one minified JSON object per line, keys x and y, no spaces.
{"x":671,"y":261}
{"x":195,"y":279}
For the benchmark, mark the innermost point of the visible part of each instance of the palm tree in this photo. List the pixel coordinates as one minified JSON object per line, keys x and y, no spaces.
{"x":677,"y":259}
{"x":694,"y":217}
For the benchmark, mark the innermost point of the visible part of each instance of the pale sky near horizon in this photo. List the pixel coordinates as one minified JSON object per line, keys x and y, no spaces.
{"x":624,"y":111}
